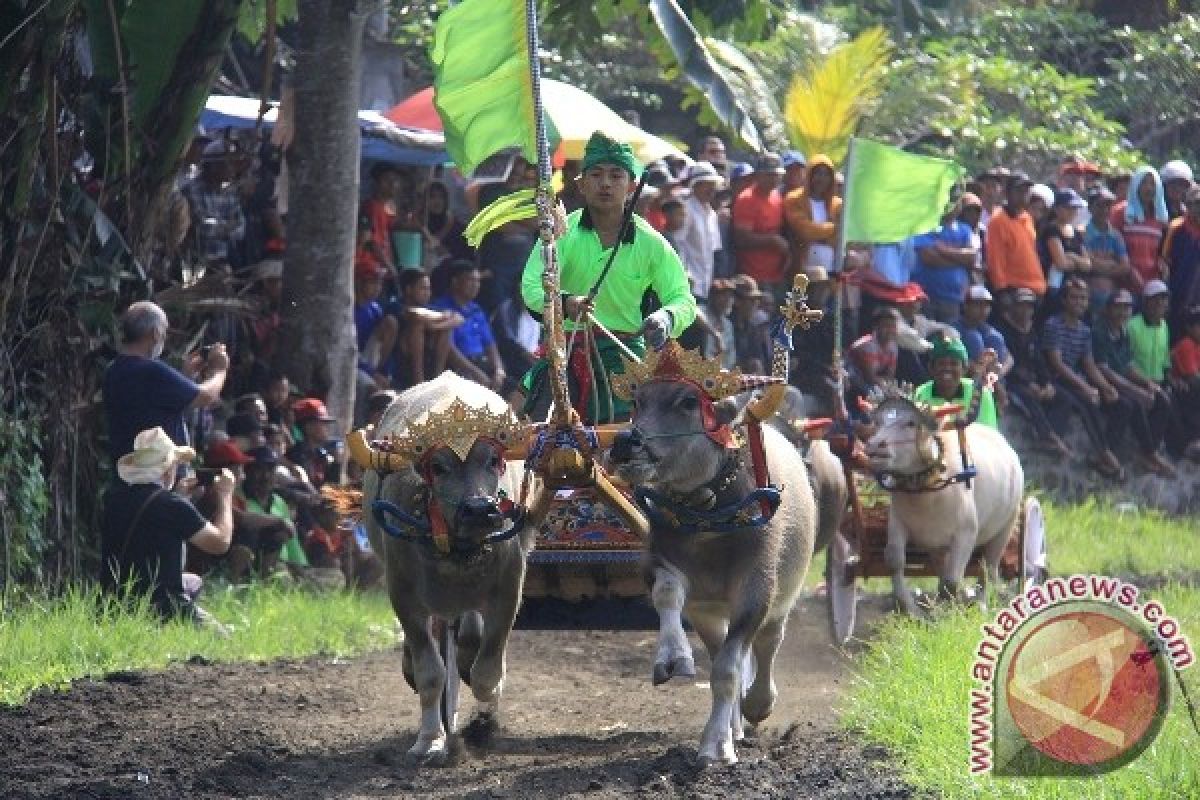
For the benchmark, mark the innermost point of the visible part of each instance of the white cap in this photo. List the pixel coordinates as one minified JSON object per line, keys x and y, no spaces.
{"x":1176,"y":171}
{"x":979,"y":293}
{"x":703,"y":171}
{"x":1155,"y":287}
{"x":1044,"y":192}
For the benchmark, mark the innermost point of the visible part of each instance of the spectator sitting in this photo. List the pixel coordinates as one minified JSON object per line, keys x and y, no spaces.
{"x":1148,"y":333}
{"x":1185,"y":381}
{"x":1182,"y":252}
{"x":518,"y":335}
{"x":1110,"y":258}
{"x":872,"y":358}
{"x":1068,"y":348}
{"x":251,"y":403}
{"x":443,"y":230}
{"x":1148,"y":403}
{"x":1141,"y":219}
{"x":375,"y":332}
{"x":1029,"y":385}
{"x":945,"y":259}
{"x":751,"y":336}
{"x":268,"y":277}
{"x":312,"y":452}
{"x":245,"y":431}
{"x":948,"y":363}
{"x":474,"y":354}
{"x":258,"y":496}
{"x":277,"y":393}
{"x":978,"y":336}
{"x":141,"y":392}
{"x":145,"y":525}
{"x":424,"y":348}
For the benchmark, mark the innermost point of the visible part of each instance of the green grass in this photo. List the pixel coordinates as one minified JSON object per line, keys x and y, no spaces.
{"x":914,"y":678}
{"x":51,"y":642}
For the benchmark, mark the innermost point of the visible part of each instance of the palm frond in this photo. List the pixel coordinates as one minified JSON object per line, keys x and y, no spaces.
{"x":827,"y":100}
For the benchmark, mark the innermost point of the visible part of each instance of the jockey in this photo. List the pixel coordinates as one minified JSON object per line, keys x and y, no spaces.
{"x":947,"y":363}
{"x":644,"y":262}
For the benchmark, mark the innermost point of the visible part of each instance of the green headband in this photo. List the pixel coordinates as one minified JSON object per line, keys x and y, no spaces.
{"x":946,"y":347}
{"x":603,"y":150}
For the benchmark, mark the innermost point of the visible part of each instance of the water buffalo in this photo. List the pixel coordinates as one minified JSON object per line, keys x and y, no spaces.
{"x":475,"y":576}
{"x":735,"y":587}
{"x":912,"y":455}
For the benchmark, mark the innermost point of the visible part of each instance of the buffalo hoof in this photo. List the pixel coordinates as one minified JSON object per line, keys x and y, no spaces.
{"x":721,"y":756}
{"x":678,"y":667}
{"x":429,"y":752}
{"x":481,"y":730}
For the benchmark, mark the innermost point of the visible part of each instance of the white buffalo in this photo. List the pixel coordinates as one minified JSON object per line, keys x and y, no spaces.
{"x":929,"y":509}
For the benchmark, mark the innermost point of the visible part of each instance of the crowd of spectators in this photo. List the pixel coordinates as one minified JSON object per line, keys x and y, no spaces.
{"x":1081,"y":296}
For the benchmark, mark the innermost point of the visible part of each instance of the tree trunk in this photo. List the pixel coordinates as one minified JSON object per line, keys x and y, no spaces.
{"x":318,"y":299}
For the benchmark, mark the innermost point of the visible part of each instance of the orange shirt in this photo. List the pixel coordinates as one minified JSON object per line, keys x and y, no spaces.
{"x":1012,"y":259}
{"x":1185,"y":358}
{"x":760,"y":214}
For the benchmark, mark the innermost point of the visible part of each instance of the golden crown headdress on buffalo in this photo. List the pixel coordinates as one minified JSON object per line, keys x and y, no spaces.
{"x":456,"y":426}
{"x":675,"y":363}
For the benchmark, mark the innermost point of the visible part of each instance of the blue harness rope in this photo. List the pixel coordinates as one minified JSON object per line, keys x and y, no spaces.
{"x":422,"y":530}
{"x":736,"y":516}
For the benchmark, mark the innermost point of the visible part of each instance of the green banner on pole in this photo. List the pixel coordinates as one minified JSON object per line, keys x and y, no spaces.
{"x":892,"y":194}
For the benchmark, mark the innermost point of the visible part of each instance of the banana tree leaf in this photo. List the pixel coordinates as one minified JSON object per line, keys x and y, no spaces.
{"x":703,"y":71}
{"x":741,"y":72}
{"x":155,"y":33}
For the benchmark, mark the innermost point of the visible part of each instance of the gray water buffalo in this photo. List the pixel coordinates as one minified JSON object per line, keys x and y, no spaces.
{"x":736,"y":587}
{"x":449,"y":473}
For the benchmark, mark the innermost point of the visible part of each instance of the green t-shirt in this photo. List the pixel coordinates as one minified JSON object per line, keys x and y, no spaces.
{"x":987,"y":405}
{"x":1111,"y":349}
{"x":1151,"y":348}
{"x":292,"y":551}
{"x":648,"y":262}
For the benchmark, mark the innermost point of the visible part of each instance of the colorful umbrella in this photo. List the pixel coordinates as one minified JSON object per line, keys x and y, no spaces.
{"x":574,"y":113}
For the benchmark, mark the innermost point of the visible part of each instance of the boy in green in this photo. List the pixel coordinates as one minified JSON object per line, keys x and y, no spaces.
{"x":645,"y":262}
{"x":947,"y":363}
{"x":258,"y":495}
{"x":1148,"y":335}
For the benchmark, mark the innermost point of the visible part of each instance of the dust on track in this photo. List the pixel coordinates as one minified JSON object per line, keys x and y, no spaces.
{"x":580,"y":720}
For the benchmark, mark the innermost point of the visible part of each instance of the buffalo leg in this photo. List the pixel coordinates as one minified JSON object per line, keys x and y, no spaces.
{"x":716,"y":742}
{"x":760,"y":699}
{"x":674,"y":658}
{"x":954,"y":567}
{"x":430,"y":674}
{"x":896,"y":556}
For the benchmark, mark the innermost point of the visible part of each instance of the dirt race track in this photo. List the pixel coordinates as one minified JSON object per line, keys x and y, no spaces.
{"x":580,"y":720}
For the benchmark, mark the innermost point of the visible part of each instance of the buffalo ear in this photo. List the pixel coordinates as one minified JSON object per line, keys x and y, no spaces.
{"x":726,"y":411}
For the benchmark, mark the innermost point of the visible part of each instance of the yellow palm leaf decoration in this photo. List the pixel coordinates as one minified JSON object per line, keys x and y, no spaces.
{"x":827,"y":99}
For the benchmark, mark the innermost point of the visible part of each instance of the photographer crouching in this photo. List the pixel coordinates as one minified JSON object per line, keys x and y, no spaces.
{"x":146,"y":526}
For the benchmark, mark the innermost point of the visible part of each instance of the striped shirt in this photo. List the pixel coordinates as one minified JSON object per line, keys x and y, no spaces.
{"x":1073,"y":343}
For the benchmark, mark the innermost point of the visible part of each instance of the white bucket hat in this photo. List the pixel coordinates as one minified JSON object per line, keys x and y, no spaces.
{"x":153,"y":454}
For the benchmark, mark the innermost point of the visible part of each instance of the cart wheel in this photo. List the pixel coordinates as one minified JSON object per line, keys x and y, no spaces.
{"x":840,"y":589}
{"x":444,"y":633}
{"x":1033,"y":530}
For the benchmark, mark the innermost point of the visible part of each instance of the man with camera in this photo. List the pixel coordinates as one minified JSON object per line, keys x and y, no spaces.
{"x":141,"y":392}
{"x":146,"y":525}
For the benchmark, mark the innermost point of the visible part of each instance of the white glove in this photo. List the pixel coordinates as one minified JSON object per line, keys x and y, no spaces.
{"x":657,"y":328}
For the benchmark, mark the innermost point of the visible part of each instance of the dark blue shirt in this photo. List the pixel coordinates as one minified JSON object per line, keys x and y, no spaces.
{"x":979,"y":339}
{"x":142,"y":393}
{"x":475,"y":334}
{"x":366,"y":320}
{"x":944,"y":284}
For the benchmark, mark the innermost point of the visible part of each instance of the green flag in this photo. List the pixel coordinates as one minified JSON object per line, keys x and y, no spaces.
{"x":892,"y":195}
{"x":482,"y":86}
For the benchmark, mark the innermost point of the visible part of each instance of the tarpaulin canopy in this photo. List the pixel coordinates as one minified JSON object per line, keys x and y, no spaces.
{"x":575,"y":114}
{"x":383,"y":140}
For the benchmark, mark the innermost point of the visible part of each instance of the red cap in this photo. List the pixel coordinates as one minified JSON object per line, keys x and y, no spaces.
{"x":367,"y":266}
{"x":310,"y":409}
{"x":225,"y":454}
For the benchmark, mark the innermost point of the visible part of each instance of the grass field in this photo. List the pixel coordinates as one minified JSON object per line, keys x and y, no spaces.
{"x":50,"y":642}
{"x":914,"y":677}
